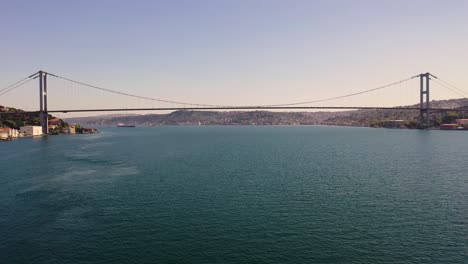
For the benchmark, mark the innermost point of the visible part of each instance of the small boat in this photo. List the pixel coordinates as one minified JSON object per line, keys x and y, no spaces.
{"x":124,"y":125}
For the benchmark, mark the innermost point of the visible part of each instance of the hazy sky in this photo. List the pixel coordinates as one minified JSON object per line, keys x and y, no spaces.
{"x":229,"y":52}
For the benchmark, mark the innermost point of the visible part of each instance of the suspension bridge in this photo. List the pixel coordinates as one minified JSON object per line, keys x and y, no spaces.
{"x":423,"y":87}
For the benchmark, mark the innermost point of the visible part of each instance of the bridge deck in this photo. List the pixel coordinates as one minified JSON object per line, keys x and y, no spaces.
{"x":246,"y":108}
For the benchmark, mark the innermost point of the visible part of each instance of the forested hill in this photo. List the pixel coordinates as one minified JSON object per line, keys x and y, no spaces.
{"x":15,"y":118}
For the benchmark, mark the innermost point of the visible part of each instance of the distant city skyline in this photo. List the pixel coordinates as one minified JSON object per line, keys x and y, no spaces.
{"x":231,"y":52}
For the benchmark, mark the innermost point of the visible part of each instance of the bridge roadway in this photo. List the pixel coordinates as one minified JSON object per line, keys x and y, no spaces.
{"x":250,"y":108}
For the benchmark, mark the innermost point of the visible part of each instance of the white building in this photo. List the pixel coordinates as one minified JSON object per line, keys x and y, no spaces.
{"x":6,"y":133}
{"x":31,"y":131}
{"x":14,"y":133}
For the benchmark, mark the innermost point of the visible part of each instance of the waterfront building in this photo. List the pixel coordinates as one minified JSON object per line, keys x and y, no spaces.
{"x":70,"y":130}
{"x":31,"y":131}
{"x":55,"y":122}
{"x":14,"y":133}
{"x":8,"y":133}
{"x":462,"y":122}
{"x":4,"y":133}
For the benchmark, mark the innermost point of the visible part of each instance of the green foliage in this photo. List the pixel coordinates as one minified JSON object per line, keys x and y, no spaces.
{"x":16,"y":118}
{"x":450,"y":118}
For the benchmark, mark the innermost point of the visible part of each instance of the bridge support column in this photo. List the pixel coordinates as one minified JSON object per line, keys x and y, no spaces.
{"x":424,"y":107}
{"x":428,"y":115}
{"x":43,"y":114}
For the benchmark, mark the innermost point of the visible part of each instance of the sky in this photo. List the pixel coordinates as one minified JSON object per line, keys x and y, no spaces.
{"x":226,"y":52}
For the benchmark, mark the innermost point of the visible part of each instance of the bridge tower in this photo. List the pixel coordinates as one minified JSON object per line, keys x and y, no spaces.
{"x":43,"y":114}
{"x":424,"y":105}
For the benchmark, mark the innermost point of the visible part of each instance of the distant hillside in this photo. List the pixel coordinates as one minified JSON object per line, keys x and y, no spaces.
{"x":99,"y":119}
{"x":346,"y":118}
{"x":376,"y":117}
{"x":212,"y":118}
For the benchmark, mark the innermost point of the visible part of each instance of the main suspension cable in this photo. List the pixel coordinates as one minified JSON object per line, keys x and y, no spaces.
{"x":212,"y":105}
{"x":449,"y":88}
{"x":13,"y":87}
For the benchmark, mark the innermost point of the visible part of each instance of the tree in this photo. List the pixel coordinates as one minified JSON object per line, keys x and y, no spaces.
{"x":450,"y":118}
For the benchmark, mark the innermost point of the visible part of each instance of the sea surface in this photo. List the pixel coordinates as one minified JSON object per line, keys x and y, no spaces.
{"x":257,"y":194}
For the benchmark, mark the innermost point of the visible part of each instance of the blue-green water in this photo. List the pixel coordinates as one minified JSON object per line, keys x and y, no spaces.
{"x":236,"y":195}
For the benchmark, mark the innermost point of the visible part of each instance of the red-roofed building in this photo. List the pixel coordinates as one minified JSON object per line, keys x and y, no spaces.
{"x":55,"y":122}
